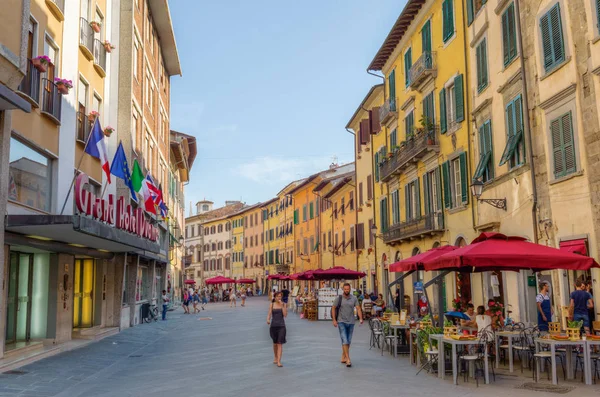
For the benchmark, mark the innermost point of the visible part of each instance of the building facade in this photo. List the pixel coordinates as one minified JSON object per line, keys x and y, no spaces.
{"x":237,"y":245}
{"x":194,"y":240}
{"x":254,"y":259}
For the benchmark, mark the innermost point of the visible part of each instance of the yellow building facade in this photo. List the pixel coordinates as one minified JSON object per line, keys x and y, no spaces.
{"x":307,"y":218}
{"x":237,"y":241}
{"x":285,"y":231}
{"x":253,"y":245}
{"x":270,"y":216}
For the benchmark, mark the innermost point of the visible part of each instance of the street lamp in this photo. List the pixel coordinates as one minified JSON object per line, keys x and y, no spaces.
{"x":477,"y":190}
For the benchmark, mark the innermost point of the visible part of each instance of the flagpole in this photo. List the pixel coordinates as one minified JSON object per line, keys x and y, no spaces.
{"x":78,"y":166}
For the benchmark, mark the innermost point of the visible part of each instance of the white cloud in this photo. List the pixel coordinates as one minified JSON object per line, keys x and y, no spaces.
{"x":271,"y":170}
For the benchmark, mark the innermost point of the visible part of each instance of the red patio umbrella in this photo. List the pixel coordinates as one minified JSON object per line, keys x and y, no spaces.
{"x":308,"y":275}
{"x":338,"y":273}
{"x":495,"y":251}
{"x":416,"y":262}
{"x":219,"y":280}
{"x":190,"y":282}
{"x":245,"y":281}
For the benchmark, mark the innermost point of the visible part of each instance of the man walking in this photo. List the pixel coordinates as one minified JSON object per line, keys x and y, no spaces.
{"x":342,"y":314}
{"x":165,"y":304}
{"x":581,"y":301}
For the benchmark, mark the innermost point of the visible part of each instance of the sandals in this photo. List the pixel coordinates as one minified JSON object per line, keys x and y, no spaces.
{"x":348,"y":364}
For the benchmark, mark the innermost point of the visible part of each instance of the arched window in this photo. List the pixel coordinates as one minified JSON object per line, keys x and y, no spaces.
{"x":398,"y":257}
{"x":436,"y":244}
{"x":460,"y":242}
{"x":416,"y":251}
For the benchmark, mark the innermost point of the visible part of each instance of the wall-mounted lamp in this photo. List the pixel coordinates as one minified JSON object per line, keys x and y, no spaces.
{"x":477,"y":189}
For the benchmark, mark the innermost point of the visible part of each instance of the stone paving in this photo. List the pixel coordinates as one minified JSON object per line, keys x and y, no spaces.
{"x":231,"y":354}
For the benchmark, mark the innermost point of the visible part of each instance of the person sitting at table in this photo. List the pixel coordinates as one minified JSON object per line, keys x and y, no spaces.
{"x":379,"y":305}
{"x":495,"y":313}
{"x":482,"y":319}
{"x":471,"y":322}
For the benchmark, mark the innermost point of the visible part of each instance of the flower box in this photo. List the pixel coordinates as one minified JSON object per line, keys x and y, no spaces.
{"x":574,"y":333}
{"x":449,"y":331}
{"x":93,"y":116}
{"x":108,"y":47}
{"x":41,"y":63}
{"x":96,"y":26}
{"x":63,"y":85}
{"x":554,"y":327}
{"x":108,"y":131}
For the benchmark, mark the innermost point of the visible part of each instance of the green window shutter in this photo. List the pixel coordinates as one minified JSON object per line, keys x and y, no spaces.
{"x":393,"y":139}
{"x":552,"y":38}
{"x":438,"y":184}
{"x":393,"y":84}
{"x":568,"y":143}
{"x":447,"y":190}
{"x":407,"y":66}
{"x":481,"y":54}
{"x":470,"y":14}
{"x":407,"y":203}
{"x":426,"y":193}
{"x":557,"y":148}
{"x":459,"y":98}
{"x":426,"y":37}
{"x":563,"y":147}
{"x":312,"y":211}
{"x":443,"y":125}
{"x":418,"y":197}
{"x":509,"y":36}
{"x":448,"y":19}
{"x":295,"y":217}
{"x":377,"y":167}
{"x":505,"y":38}
{"x":464,"y":185}
{"x":598,"y":15}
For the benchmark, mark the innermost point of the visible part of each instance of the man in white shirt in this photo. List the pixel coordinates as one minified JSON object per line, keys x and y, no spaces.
{"x":165,"y":304}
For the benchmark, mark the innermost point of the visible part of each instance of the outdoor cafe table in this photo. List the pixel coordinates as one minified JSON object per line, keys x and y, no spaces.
{"x":397,"y":327}
{"x":588,"y":363}
{"x":454,"y":343}
{"x":510,"y":335}
{"x":438,"y":338}
{"x":569,"y":344}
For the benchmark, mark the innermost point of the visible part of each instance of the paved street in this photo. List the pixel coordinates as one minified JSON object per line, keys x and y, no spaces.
{"x":231,"y":355}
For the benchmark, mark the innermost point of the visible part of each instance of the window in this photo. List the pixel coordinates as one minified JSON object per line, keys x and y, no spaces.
{"x":369,"y":187}
{"x":509,"y":35}
{"x":97,"y":104}
{"x":431,"y":191}
{"x":51,"y":50}
{"x":30,"y":176}
{"x":448,"y":19}
{"x":304,"y":214}
{"x":337,"y":242}
{"x":393,"y":139}
{"x":351,"y":201}
{"x":344,"y":241}
{"x":343,"y":205}
{"x":312,"y":210}
{"x":317,"y":206}
{"x":412,"y":200}
{"x":409,"y":123}
{"x":383,"y":214}
{"x":407,"y":66}
{"x":135,"y":56}
{"x":482,"y":72}
{"x":454,"y":173}
{"x":335,"y":210}
{"x":151,"y":98}
{"x":485,"y":168}
{"x":376,"y":157}
{"x":149,"y":153}
{"x":360,"y":194}
{"x":553,"y":47}
{"x":395,"y":207}
{"x":563,"y":145}
{"x":313,"y":247}
{"x":514,"y":150}
{"x":351,"y":241}
{"x":82,"y":96}
{"x":473,"y":7}
{"x":99,"y":18}
{"x":428,"y":110}
{"x":452,"y":110}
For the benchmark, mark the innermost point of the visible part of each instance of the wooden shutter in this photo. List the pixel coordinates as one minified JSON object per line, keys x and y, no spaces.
{"x":443,"y":124}
{"x":557,"y":148}
{"x":360,"y":236}
{"x":374,"y":121}
{"x":369,"y":187}
{"x":598,"y":15}
{"x":392,"y":88}
{"x":484,"y":66}
{"x":447,"y":190}
{"x":568,"y":143}
{"x":364,"y":131}
{"x":512,"y":34}
{"x":563,"y":145}
{"x":312,"y":210}
{"x":417,"y":198}
{"x":295,"y":217}
{"x":407,"y":203}
{"x":464,"y":185}
{"x":470,"y":14}
{"x":448,"y":19}
{"x":407,"y":66}
{"x":459,"y":98}
{"x":426,"y":193}
{"x":426,"y":37}
{"x":377,"y":167}
{"x":438,"y":183}
{"x":360,"y":194}
{"x":371,"y":237}
{"x":505,"y":38}
{"x":359,"y":138}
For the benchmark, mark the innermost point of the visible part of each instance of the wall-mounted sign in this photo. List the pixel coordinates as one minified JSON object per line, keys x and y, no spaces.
{"x":124,"y":218}
{"x":418,"y":287}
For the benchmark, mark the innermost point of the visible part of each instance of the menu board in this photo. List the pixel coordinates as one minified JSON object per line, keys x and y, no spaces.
{"x":326,"y":299}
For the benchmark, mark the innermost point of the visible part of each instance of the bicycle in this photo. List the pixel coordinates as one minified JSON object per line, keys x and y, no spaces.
{"x":152,"y":313}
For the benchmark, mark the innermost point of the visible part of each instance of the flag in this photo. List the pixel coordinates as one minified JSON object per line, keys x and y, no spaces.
{"x":160,"y":203}
{"x":120,"y":169}
{"x":150,"y":192}
{"x":137,"y":177}
{"x":96,"y":147}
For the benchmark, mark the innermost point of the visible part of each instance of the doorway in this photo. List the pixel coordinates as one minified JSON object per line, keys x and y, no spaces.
{"x":20,"y":282}
{"x":83,"y":293}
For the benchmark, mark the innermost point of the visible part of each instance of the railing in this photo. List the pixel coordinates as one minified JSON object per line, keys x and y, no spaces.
{"x":86,"y":35}
{"x":412,"y":149}
{"x":425,"y":224}
{"x":388,"y":109}
{"x":30,"y":85}
{"x":51,"y":99}
{"x":83,"y":127}
{"x":422,"y":68}
{"x":282,"y":268}
{"x":100,"y":55}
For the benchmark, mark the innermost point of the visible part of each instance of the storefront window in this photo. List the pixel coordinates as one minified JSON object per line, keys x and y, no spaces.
{"x":30,"y":176}
{"x":142,"y":287}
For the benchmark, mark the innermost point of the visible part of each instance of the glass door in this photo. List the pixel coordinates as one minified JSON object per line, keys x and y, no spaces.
{"x":83,"y":297}
{"x":18,"y":321}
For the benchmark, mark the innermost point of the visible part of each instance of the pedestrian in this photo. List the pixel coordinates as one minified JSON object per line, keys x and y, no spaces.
{"x":581,"y":301}
{"x":165,"y":304}
{"x":342,"y":314}
{"x":275,"y":318}
{"x":286,"y":294}
{"x":195,"y":301}
{"x":544,"y":307}
{"x":243,"y":296}
{"x":591,"y":311}
{"x":232,"y":298}
{"x":186,"y":302}
{"x":203,"y":297}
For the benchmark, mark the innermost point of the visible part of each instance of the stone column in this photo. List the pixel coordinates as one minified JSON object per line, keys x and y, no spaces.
{"x":5,"y":123}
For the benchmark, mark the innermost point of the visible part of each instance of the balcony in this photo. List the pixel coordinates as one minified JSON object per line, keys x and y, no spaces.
{"x":100,"y":58}
{"x":51,"y":101}
{"x":423,"y":70}
{"x":411,"y":151}
{"x":187,"y":261}
{"x":282,"y":268}
{"x":58,"y":8}
{"x":83,"y":127}
{"x":426,"y":225}
{"x":388,"y":111}
{"x":86,"y":38}
{"x":30,"y":86}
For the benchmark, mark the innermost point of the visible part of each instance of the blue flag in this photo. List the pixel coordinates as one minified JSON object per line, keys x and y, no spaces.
{"x":120,"y":169}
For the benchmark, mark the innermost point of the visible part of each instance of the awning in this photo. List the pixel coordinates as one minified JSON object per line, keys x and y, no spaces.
{"x":574,"y":246}
{"x":10,"y":100}
{"x":416,"y":262}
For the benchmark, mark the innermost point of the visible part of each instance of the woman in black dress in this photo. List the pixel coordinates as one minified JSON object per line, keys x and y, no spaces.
{"x":277,"y":313}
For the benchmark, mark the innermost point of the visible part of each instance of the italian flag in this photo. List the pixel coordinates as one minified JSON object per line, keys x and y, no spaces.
{"x":141,"y":188}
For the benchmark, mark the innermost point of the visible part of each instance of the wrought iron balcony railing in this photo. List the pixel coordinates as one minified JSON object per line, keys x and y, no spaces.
{"x":83,"y":127}
{"x":30,"y":85}
{"x":86,"y":38}
{"x":388,"y":110}
{"x":422,"y":70}
{"x":100,"y":57}
{"x":51,"y":100}
{"x":427,"y":224}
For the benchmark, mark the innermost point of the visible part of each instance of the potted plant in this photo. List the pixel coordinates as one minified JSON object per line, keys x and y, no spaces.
{"x":96,"y":25}
{"x":359,"y":209}
{"x":108,"y":131}
{"x":359,"y":252}
{"x":370,"y":250}
{"x":449,"y":328}
{"x":574,"y":329}
{"x":390,"y":154}
{"x":63,"y":85}
{"x":41,"y":63}
{"x":93,"y":116}
{"x":108,"y":47}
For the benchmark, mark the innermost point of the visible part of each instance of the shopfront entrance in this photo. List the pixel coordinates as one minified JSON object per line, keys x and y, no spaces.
{"x":83,"y":293}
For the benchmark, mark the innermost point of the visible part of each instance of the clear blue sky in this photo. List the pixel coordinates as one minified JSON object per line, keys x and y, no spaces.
{"x":268,"y":87}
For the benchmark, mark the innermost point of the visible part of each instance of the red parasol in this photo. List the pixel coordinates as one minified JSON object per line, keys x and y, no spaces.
{"x":190,"y":282}
{"x":219,"y":280}
{"x":416,"y":262}
{"x":338,"y":273}
{"x":245,"y":281}
{"x":495,"y":251}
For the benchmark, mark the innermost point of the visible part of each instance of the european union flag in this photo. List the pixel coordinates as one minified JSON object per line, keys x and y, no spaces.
{"x":120,"y":169}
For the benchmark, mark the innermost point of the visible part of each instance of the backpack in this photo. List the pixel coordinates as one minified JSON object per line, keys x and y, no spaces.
{"x":337,"y":307}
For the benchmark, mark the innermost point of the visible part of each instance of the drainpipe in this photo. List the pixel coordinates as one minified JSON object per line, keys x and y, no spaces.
{"x":355,"y":193}
{"x":527,"y":127}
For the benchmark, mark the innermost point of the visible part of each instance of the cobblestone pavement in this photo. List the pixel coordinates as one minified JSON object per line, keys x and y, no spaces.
{"x":230,"y":354}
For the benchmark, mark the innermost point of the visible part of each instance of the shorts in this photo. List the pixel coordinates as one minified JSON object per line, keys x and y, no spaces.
{"x":204,"y":301}
{"x":186,"y":303}
{"x":284,"y":300}
{"x":346,"y":331}
{"x":584,"y":317}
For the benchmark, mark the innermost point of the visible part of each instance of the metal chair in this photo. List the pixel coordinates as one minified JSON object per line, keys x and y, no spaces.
{"x":476,"y":356}
{"x":376,"y":332}
{"x":429,"y":356}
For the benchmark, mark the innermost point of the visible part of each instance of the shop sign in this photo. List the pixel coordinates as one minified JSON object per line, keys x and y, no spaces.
{"x":124,"y":217}
{"x":418,"y":287}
